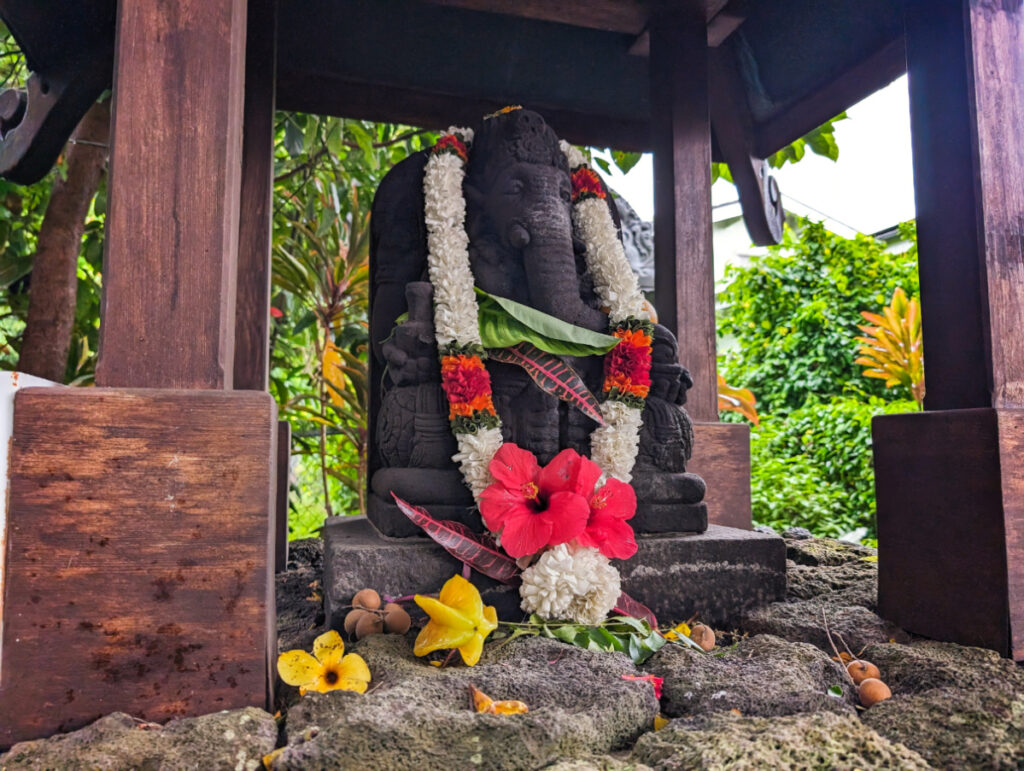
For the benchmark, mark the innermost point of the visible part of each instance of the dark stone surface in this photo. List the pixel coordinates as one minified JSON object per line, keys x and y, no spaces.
{"x":391,"y":522}
{"x":721,"y":573}
{"x":670,"y":518}
{"x":724,"y":741}
{"x":522,"y":246}
{"x":299,"y":594}
{"x":418,"y":717}
{"x":762,"y":675}
{"x":666,"y":487}
{"x":235,"y":740}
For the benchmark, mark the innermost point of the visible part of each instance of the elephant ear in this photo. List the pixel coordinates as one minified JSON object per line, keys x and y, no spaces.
{"x":505,"y":323}
{"x":553,"y":376}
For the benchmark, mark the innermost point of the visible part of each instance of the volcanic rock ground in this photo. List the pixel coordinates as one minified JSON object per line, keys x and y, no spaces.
{"x":770,"y":697}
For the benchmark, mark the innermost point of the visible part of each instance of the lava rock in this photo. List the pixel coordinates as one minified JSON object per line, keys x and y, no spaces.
{"x":300,"y":605}
{"x":853,"y":583}
{"x":418,"y":716}
{"x":804,"y":550}
{"x":802,"y":622}
{"x":959,"y":707}
{"x":762,"y":675}
{"x":814,"y":740}
{"x":235,"y":740}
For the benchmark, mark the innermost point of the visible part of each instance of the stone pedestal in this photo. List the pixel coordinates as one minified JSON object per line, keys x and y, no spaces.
{"x":718,"y":574}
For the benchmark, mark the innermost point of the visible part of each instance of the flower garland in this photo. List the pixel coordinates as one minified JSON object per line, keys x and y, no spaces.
{"x":574,"y":577}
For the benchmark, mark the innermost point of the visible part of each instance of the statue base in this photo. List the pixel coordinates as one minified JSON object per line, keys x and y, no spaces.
{"x":719,"y":574}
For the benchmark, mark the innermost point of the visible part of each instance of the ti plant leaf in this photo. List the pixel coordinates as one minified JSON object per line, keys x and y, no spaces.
{"x":504,"y":323}
{"x":892,"y":346}
{"x":471,"y":548}
{"x":552,"y":375}
{"x":741,"y":400}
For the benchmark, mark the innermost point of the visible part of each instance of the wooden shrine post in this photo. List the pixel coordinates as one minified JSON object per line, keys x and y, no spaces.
{"x":140,"y":528}
{"x":950,"y":481}
{"x":684,"y":263}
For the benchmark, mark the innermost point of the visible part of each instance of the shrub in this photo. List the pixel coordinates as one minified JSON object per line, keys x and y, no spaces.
{"x":792,"y":315}
{"x":813,"y":468}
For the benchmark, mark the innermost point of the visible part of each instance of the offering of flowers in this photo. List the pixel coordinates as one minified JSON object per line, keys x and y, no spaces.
{"x":556,"y":527}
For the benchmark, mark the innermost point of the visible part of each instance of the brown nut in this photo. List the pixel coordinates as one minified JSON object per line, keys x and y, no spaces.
{"x":366,"y":599}
{"x":872,"y":691}
{"x":351,"y":619}
{"x":862,"y":670}
{"x":396,"y":620}
{"x":703,"y":635}
{"x":369,"y":624}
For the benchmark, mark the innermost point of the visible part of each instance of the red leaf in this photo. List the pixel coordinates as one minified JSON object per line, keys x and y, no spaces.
{"x":553,"y":376}
{"x":463,"y":544}
{"x":627,"y":606}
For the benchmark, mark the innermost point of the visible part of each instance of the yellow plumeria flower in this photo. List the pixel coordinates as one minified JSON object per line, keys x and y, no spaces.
{"x":680,"y":629}
{"x":328,"y":669}
{"x":458,"y":619}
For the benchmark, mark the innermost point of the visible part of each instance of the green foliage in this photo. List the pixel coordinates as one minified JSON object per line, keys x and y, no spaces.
{"x":790,"y":317}
{"x":625,"y":634}
{"x":504,"y":323}
{"x":821,"y":141}
{"x":813,"y":467}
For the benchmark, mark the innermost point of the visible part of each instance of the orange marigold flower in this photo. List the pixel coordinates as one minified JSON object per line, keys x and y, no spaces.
{"x":586,"y":184}
{"x":464,"y":378}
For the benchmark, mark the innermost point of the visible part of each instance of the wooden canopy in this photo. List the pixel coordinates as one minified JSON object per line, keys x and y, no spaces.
{"x":789,"y":65}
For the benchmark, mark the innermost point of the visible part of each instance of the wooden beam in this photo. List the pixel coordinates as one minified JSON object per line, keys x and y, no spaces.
{"x":611,"y":15}
{"x":966,"y":92}
{"x":252,"y":307}
{"x":681,"y":131}
{"x":172,"y":228}
{"x":830,"y":98}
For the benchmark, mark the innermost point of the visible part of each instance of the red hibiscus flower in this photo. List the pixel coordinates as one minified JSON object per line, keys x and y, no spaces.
{"x":534,"y":507}
{"x":607,"y":529}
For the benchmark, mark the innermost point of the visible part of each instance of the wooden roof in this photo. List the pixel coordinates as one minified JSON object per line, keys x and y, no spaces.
{"x":582,"y":63}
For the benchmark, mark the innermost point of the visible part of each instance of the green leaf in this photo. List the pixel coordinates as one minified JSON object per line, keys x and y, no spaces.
{"x":836,"y":690}
{"x":504,"y":323}
{"x":625,"y":161}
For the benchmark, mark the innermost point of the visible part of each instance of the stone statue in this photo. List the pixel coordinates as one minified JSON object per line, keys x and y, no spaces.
{"x":522,"y":247}
{"x":638,"y":241}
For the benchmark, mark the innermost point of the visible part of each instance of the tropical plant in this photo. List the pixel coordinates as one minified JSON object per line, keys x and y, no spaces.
{"x":892,"y":347}
{"x":738,"y":400}
{"x":785,"y":319}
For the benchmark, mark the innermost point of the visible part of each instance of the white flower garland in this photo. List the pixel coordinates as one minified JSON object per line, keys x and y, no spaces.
{"x":579,"y":583}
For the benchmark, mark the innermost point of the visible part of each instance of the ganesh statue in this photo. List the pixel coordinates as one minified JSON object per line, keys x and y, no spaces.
{"x":503,"y":312}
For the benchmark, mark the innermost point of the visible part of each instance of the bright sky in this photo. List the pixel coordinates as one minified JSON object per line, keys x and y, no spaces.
{"x":868,"y":189}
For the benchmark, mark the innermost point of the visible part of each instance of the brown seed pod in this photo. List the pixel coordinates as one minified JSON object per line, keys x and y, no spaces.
{"x":352,"y":619}
{"x":703,"y":635}
{"x":862,"y":670}
{"x":366,"y":599}
{"x":872,"y":691}
{"x":369,"y":624}
{"x":396,"y":620}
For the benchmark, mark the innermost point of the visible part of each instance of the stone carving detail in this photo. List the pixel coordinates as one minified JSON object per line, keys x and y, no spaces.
{"x":638,"y":241}
{"x":522,"y":246}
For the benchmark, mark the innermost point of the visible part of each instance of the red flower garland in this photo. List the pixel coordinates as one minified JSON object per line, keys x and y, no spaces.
{"x":586,"y":184}
{"x":450,"y":143}
{"x":467,"y":384}
{"x":627,"y":367}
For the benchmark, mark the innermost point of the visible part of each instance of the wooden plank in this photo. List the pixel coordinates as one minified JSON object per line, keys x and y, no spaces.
{"x":681,"y":131}
{"x":721,"y":455}
{"x":942,"y":539}
{"x":140,"y":542}
{"x":284,"y":456}
{"x":310,"y":91}
{"x":1011,"y":466}
{"x":612,"y":15}
{"x":172,"y":226}
{"x":997,"y":84}
{"x":252,"y":307}
{"x":949,"y":262}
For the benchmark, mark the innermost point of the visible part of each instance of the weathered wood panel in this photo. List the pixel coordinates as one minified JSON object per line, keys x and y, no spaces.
{"x":1011,"y":465}
{"x":252,"y":308}
{"x":172,"y":226}
{"x":681,"y":131}
{"x":721,"y":455}
{"x":942,"y":525}
{"x":140,"y":542}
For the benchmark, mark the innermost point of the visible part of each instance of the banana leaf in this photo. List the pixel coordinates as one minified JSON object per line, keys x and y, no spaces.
{"x":504,"y":323}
